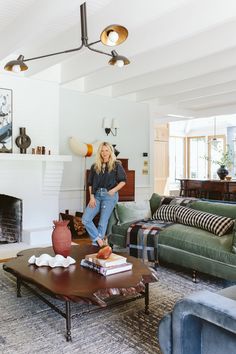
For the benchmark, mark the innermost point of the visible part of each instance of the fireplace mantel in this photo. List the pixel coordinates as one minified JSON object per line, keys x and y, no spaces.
{"x":34,"y":157}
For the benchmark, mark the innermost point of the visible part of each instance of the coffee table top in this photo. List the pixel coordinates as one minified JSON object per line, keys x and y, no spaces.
{"x":76,"y":283}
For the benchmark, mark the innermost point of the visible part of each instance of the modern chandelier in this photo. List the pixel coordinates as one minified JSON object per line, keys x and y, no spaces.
{"x":111,"y":36}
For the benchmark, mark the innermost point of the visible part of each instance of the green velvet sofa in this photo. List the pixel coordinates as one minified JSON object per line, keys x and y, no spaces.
{"x":187,"y":246}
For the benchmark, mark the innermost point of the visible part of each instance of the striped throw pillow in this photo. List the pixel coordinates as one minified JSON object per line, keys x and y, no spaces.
{"x":218,"y":225}
{"x":166,"y":213}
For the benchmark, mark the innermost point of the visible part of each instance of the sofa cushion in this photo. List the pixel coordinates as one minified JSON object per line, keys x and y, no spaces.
{"x":199,"y":242}
{"x":219,"y":225}
{"x":166,"y":213}
{"x":131,"y":211}
{"x":218,"y":208}
{"x":155,"y":202}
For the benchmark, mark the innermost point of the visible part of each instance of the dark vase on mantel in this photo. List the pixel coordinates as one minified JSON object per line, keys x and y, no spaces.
{"x":23,"y":141}
{"x":222,"y":172}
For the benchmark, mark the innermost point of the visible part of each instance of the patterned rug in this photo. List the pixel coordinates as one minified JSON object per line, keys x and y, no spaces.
{"x":30,"y":326}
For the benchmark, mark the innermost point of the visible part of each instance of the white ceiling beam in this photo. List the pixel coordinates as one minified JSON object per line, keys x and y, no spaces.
{"x":170,"y":109}
{"x":183,"y":86}
{"x":207,"y":102}
{"x":176,"y":73}
{"x":163,"y":111}
{"x":215,"y":111}
{"x":198,"y":93}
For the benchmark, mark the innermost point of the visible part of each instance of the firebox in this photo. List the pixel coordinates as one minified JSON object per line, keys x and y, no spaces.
{"x":10,"y":219}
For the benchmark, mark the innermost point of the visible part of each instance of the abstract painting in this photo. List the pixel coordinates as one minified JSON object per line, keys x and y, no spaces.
{"x":5,"y":120}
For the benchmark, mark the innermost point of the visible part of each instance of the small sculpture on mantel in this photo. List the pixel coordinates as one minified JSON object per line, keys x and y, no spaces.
{"x":23,"y":141}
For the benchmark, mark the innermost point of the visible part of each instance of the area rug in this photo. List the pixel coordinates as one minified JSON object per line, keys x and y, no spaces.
{"x":30,"y":326}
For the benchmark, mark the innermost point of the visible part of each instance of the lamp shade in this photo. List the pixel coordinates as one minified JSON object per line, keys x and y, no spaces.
{"x":16,"y":65}
{"x":115,"y":123}
{"x":118,"y":60}
{"x":113,"y":35}
{"x":106,"y":123}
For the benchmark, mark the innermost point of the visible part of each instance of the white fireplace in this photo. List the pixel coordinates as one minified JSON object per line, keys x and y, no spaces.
{"x":36,"y":180}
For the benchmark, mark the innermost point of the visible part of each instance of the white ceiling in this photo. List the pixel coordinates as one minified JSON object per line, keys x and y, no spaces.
{"x":182,"y":52}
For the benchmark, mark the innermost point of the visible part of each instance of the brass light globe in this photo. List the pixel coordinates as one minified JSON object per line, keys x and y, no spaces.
{"x":114,"y":35}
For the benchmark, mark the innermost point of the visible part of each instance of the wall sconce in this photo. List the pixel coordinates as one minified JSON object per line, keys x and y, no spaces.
{"x":110,"y":127}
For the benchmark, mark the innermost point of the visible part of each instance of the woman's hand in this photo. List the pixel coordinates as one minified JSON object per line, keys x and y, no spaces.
{"x":92,"y":202}
{"x":111,"y":192}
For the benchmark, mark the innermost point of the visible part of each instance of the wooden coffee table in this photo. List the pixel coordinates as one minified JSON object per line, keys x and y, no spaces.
{"x":78,"y":284}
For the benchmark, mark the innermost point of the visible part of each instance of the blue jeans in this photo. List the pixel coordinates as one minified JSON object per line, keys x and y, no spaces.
{"x":104,"y":204}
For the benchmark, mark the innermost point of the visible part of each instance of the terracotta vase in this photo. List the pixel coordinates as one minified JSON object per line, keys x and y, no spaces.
{"x":61,"y":238}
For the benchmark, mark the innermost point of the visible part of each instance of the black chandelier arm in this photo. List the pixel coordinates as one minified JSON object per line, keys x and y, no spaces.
{"x":89,"y":44}
{"x":99,"y":51}
{"x":52,"y":54}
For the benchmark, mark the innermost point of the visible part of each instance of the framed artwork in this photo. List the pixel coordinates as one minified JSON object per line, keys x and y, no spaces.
{"x":5,"y":120}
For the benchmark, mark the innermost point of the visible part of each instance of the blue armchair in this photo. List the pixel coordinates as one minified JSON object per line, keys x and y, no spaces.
{"x":202,"y":323}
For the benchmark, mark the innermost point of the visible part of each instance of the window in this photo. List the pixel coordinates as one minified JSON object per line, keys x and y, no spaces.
{"x":202,"y":152}
{"x":176,"y":160}
{"x":197,"y":149}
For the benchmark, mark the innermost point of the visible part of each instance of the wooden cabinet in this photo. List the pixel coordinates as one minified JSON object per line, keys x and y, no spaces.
{"x":209,"y":189}
{"x":127,"y":193}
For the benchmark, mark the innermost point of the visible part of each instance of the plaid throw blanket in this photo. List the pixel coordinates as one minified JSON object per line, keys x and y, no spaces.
{"x":142,"y":238}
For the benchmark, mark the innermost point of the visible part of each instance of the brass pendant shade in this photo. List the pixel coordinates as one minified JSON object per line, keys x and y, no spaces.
{"x":18,"y":62}
{"x":111,"y":36}
{"x":122,"y":34}
{"x":116,"y":58}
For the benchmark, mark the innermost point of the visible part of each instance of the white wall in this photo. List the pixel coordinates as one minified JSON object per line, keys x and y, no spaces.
{"x":36,"y":107}
{"x":81,"y":116}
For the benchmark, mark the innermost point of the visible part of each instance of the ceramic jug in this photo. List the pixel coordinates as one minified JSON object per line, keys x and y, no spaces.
{"x":61,"y":238}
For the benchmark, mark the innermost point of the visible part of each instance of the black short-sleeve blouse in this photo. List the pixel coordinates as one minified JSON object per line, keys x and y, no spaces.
{"x":106,"y":179}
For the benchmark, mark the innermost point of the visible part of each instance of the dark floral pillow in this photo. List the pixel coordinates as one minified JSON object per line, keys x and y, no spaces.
{"x":166,"y":200}
{"x":182,"y":201}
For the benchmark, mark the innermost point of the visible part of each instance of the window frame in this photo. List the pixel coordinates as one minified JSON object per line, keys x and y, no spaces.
{"x":183,"y":138}
{"x":208,"y":139}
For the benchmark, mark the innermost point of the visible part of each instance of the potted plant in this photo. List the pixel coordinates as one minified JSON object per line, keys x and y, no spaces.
{"x":225,"y":162}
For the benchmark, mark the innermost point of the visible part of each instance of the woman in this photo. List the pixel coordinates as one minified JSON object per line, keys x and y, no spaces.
{"x":106,"y":178}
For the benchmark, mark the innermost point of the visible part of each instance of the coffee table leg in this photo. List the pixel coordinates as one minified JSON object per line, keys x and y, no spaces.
{"x":68,"y":321}
{"x":18,"y":286}
{"x":147,"y":298}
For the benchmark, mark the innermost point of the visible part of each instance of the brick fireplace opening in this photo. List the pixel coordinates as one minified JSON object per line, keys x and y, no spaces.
{"x":10,"y":219}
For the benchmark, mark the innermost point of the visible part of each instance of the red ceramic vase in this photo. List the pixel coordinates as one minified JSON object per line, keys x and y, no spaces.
{"x":61,"y":238}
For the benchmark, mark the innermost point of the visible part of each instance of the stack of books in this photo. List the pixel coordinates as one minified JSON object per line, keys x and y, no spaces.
{"x":112,"y":265}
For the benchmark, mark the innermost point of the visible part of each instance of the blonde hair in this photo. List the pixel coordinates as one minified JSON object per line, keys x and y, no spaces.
{"x":99,"y":160}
